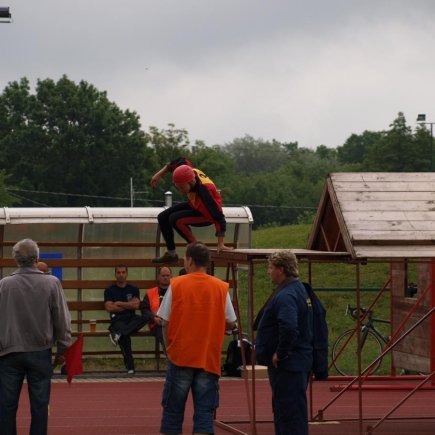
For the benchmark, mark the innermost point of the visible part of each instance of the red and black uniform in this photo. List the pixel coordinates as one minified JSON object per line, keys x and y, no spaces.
{"x":203,"y":208}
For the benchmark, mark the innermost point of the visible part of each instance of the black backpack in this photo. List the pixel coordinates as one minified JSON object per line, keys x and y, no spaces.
{"x":233,"y":363}
{"x":320,"y":336}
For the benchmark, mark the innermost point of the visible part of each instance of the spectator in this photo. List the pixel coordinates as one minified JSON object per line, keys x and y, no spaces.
{"x":196,"y":310}
{"x":121,"y":300}
{"x":203,"y":207}
{"x":33,"y":317}
{"x":284,"y":344}
{"x":151,"y":302}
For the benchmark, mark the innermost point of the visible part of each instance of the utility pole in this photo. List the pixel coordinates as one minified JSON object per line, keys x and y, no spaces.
{"x":131,"y":192}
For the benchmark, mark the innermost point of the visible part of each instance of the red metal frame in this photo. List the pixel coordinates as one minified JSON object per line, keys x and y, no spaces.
{"x":363,"y":376}
{"x":432,"y":323}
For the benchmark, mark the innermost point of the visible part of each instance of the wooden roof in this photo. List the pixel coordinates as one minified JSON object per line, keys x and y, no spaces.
{"x":377,"y":215}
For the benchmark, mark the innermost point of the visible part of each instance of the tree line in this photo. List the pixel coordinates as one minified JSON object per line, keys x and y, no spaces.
{"x":67,"y":145}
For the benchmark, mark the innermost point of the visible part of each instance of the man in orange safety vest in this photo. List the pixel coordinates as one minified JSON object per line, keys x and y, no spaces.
{"x":151,"y":302}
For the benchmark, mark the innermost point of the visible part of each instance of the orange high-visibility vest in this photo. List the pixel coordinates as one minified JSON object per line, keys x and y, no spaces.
{"x":197,"y":321}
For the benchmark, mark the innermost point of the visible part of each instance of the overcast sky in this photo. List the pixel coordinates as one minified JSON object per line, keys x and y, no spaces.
{"x":307,"y":71}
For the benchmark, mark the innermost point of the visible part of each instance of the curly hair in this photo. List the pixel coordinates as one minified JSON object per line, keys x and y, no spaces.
{"x":287,"y":260}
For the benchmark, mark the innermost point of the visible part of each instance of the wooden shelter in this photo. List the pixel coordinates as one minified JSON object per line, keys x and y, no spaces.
{"x":82,"y":245}
{"x":388,"y":217}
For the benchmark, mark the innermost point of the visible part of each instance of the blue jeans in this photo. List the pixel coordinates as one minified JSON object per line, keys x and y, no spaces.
{"x":289,"y":401}
{"x":37,"y":368}
{"x":205,"y":393}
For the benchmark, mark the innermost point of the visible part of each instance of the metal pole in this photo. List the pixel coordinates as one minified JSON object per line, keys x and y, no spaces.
{"x":358,"y":332}
{"x":367,"y":369}
{"x":370,"y":428}
{"x":168,"y":199}
{"x":131,"y":192}
{"x":432,"y":319}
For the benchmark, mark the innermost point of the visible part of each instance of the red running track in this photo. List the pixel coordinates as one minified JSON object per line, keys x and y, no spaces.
{"x":130,"y":406}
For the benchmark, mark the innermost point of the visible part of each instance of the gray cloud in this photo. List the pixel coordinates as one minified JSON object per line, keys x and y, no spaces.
{"x":307,"y":71}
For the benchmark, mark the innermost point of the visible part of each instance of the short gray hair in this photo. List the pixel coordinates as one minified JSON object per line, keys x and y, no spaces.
{"x":25,"y":252}
{"x":287,"y":260}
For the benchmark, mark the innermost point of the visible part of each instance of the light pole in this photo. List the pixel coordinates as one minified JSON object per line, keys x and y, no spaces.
{"x":421,"y":119}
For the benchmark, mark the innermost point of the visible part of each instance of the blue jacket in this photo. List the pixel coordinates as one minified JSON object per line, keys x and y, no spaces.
{"x":286,"y":327}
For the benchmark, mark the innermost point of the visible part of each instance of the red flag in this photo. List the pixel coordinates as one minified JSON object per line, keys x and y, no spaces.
{"x":73,"y":359}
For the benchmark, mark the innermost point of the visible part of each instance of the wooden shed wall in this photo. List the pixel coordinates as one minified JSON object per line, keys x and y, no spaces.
{"x":414,"y":352}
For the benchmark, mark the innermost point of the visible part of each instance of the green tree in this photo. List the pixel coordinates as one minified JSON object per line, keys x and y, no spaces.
{"x":398,"y":150}
{"x":7,"y":197}
{"x":424,"y":146}
{"x":256,"y":155}
{"x":69,"y":138}
{"x":167,"y":144}
{"x":287,"y":194}
{"x":217,"y":164}
{"x":324,"y":153}
{"x":355,"y":148}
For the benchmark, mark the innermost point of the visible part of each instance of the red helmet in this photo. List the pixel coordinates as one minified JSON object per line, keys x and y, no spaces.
{"x":183,"y":174}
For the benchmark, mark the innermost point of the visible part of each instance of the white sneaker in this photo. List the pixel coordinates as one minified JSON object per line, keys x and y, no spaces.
{"x":130,"y":372}
{"x":114,"y":338}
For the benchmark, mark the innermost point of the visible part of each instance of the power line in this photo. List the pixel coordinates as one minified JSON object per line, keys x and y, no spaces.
{"x":80,"y":195}
{"x":65,"y":194}
{"x":15,"y":195}
{"x":120,"y":198}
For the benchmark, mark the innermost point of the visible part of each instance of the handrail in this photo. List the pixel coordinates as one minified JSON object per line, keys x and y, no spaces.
{"x":370,"y":428}
{"x":321,"y":411}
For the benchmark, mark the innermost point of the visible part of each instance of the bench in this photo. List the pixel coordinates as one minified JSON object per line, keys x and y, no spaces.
{"x":85,"y":294}
{"x":81,"y":310}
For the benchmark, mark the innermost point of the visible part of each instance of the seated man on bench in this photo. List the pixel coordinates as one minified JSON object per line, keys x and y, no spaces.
{"x":121,"y":300}
{"x":152,"y":300}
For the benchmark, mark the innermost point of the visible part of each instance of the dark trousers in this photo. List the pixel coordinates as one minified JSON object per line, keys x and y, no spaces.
{"x":125,"y":326}
{"x":180,"y":217}
{"x":289,"y":401}
{"x":37,"y":368}
{"x":157,"y":331}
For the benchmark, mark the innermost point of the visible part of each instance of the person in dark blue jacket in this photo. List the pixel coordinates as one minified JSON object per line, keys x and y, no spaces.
{"x":284,"y":344}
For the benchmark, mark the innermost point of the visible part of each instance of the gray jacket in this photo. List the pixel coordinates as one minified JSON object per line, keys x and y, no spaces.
{"x":33,"y":313}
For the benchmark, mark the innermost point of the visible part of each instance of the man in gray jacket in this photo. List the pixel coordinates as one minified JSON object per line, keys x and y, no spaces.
{"x":33,"y":317}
